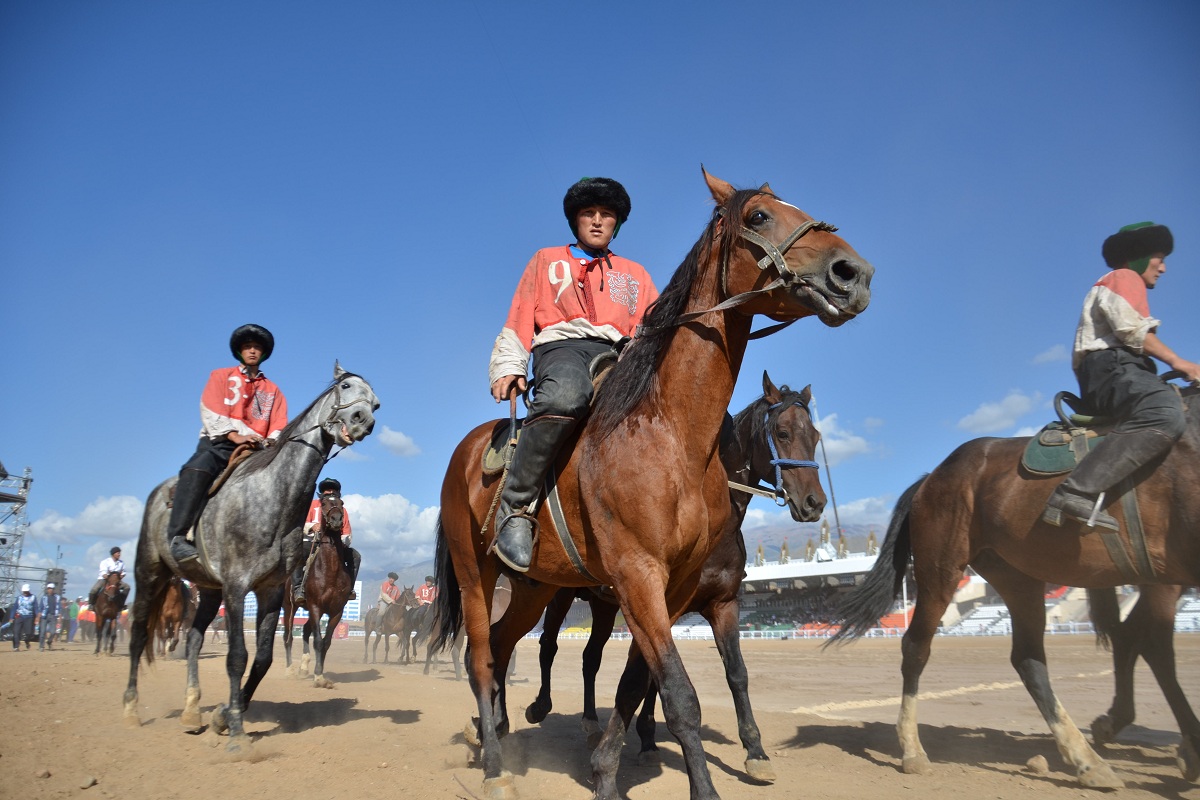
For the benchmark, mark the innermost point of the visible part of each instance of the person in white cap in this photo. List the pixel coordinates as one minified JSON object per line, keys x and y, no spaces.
{"x":23,"y":610}
{"x":48,"y":615}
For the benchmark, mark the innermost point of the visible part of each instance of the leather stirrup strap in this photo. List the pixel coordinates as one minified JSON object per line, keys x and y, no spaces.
{"x":1137,"y":533}
{"x":1112,"y":539}
{"x":560,"y":527}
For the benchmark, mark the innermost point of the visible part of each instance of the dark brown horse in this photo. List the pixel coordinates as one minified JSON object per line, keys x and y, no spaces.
{"x":108,"y":609}
{"x":1149,"y":632}
{"x":644,"y":526}
{"x":178,"y":611}
{"x":387,"y":621}
{"x":768,"y":439}
{"x":981,"y":508}
{"x":327,"y":588}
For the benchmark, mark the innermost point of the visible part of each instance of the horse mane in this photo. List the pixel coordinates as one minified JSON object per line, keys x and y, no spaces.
{"x":263,"y":458}
{"x":632,"y":378}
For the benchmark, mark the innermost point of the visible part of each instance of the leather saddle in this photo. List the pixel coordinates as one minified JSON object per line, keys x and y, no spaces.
{"x":1063,"y":443}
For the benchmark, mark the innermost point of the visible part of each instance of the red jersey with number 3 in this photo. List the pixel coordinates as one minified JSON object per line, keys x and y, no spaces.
{"x":234,"y":402}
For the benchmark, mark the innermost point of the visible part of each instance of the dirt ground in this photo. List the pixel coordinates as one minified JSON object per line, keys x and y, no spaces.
{"x":827,"y":720}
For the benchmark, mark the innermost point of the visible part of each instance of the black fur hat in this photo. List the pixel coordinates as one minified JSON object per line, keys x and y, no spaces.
{"x":393,"y":575}
{"x":329,"y":483}
{"x":251,"y":333}
{"x":596,"y":192}
{"x":1139,"y":240}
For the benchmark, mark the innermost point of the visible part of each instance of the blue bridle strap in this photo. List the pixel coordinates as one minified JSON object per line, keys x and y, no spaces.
{"x":781,"y":497}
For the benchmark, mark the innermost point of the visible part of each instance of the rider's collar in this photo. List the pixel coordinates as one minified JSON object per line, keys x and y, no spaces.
{"x":579,"y":251}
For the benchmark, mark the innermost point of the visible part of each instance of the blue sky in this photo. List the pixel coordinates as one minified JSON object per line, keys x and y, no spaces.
{"x":368,"y":179}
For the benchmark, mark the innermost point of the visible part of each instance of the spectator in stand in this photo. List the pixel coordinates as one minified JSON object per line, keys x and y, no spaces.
{"x":48,"y":615}
{"x":24,"y":609}
{"x":428,"y":593}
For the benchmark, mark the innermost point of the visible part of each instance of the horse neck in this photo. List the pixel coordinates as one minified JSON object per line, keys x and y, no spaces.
{"x":286,"y":483}
{"x":700,"y":365}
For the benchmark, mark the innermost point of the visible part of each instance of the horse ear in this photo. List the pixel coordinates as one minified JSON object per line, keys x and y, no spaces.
{"x":769,"y":390}
{"x":338,"y":372}
{"x":806,"y":395}
{"x":766,"y":187}
{"x":721,"y":191}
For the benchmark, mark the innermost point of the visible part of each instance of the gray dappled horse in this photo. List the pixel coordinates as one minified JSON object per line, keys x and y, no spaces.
{"x":249,"y":541}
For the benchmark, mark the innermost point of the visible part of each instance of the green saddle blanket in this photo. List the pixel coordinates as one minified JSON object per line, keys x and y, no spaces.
{"x":1051,"y":451}
{"x":499,"y":449}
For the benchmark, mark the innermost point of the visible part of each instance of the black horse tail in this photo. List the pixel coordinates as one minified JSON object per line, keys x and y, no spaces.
{"x":447,"y":606}
{"x":1106,"y":614}
{"x":865,"y":605}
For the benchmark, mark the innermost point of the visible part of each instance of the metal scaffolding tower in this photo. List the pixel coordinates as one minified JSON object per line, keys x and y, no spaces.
{"x":14,"y":524}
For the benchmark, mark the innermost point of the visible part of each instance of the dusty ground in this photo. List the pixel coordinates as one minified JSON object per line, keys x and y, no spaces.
{"x":827,"y":720}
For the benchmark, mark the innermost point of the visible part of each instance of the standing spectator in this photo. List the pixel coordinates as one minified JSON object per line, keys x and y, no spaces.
{"x":24,"y":609}
{"x":87,"y":622}
{"x":73,"y":618}
{"x":428,"y":593}
{"x":48,"y":615}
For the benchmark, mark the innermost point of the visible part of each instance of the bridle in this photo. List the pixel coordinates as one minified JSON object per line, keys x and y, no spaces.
{"x":779,"y":494}
{"x":337,"y":406}
{"x":773,"y":255}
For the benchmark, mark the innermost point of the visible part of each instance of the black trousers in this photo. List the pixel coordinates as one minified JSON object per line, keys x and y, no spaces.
{"x":562,"y":381}
{"x":1122,"y":384}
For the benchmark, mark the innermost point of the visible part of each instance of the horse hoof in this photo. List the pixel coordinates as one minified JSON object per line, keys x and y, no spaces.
{"x":536,"y":713}
{"x":649,"y":758}
{"x":1189,"y":764}
{"x":471,"y":734}
{"x":220,"y":720}
{"x":238,"y":744}
{"x":1100,"y":776}
{"x":321,"y":682}
{"x":132,"y":721}
{"x":501,"y":788}
{"x":760,"y":769}
{"x":1102,"y":730}
{"x":916,"y":765}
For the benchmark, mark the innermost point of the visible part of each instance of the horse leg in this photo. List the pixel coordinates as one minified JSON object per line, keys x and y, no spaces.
{"x":289,"y":620}
{"x":206,"y":612}
{"x":322,"y":647}
{"x":1125,"y":638}
{"x":723,"y":617}
{"x":229,"y":717}
{"x":604,"y":616}
{"x":149,"y":579}
{"x":311,"y":629}
{"x":520,"y":617}
{"x":1155,"y":636}
{"x":556,"y":612}
{"x":933,"y":597}
{"x":269,"y":602}
{"x":651,"y":629}
{"x":648,"y":756}
{"x":1025,"y":598}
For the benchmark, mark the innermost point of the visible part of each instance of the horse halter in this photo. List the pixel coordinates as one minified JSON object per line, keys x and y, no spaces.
{"x":781,"y":495}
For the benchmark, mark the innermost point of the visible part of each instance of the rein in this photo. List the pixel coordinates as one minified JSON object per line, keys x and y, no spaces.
{"x":773,"y":255}
{"x":333,"y":412}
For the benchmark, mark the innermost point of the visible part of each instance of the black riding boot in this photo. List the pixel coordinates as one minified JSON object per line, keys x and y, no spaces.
{"x":298,"y":585}
{"x":540,"y":440}
{"x":190,"y":494}
{"x":1114,"y":459}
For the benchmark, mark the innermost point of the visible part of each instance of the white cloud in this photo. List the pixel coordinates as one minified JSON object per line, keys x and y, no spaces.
{"x":1027,"y":430}
{"x":996,"y":417}
{"x":398,"y":443}
{"x":109,"y":518}
{"x":840,"y":445}
{"x":390,"y":531}
{"x":1055,"y":354}
{"x":864,"y":511}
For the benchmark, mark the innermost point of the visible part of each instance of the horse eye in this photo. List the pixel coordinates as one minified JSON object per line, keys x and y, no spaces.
{"x":346,"y":385}
{"x":784,"y":436}
{"x":758,"y":218}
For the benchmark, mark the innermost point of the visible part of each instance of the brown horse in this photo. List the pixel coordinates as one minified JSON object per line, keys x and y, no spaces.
{"x":108,"y":608}
{"x":178,"y":611}
{"x":644,"y":526}
{"x":1149,"y":632}
{"x":767,"y":439}
{"x":327,"y":587}
{"x":981,"y":508}
{"x":387,"y":621}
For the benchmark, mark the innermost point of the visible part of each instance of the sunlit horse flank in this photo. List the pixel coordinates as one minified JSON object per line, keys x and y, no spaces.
{"x":107,"y":611}
{"x":772,"y":441}
{"x":250,"y":539}
{"x":979,"y":508}
{"x":645,"y":526}
{"x":1149,"y":632}
{"x":327,"y":590}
